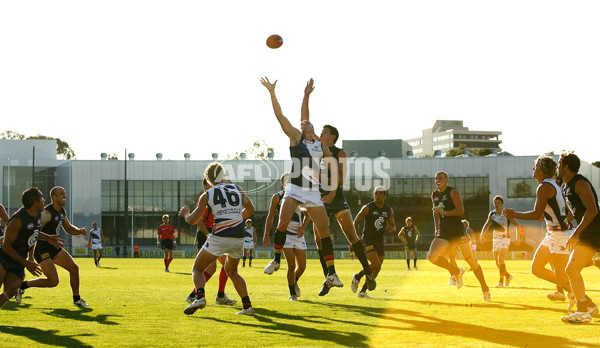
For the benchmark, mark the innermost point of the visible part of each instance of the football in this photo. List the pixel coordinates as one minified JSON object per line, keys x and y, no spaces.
{"x":274,"y":41}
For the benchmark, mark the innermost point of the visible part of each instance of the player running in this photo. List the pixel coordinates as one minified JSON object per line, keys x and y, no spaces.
{"x":550,"y":205}
{"x":409,"y":235}
{"x":204,"y":229}
{"x":585,"y":240}
{"x":500,"y":226}
{"x":22,"y":232}
{"x":48,"y":256}
{"x":447,"y":210}
{"x":379,"y":219}
{"x":303,"y":190}
{"x":340,"y":208}
{"x":294,"y":248}
{"x":230,"y":206}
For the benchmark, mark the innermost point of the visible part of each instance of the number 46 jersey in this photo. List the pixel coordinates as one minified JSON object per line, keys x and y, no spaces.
{"x":225,"y":200}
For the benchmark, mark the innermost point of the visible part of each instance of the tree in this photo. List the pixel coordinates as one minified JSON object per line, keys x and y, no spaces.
{"x":259,"y":151}
{"x":112,"y":157}
{"x":62,"y":147}
{"x":457,"y":152}
{"x":596,"y":164}
{"x":12,"y":135}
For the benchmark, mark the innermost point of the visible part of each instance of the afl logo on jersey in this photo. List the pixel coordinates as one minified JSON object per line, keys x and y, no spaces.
{"x":56,"y":218}
{"x":379,"y":223}
{"x":30,"y":226}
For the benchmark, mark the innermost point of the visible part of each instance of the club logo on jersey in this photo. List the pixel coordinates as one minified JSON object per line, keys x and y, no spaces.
{"x":30,"y":226}
{"x":56,"y":218}
{"x":375,"y":213}
{"x":379,"y":223}
{"x":33,"y":238}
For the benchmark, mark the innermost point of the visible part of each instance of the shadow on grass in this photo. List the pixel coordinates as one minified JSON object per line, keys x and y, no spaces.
{"x":47,"y":337}
{"x":182,"y":273}
{"x":270,"y":322}
{"x":440,"y":326}
{"x":13,"y":306}
{"x":493,"y":304}
{"x":105,"y":267}
{"x":81,"y":314}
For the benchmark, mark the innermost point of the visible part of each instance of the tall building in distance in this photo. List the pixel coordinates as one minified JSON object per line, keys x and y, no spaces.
{"x":446,"y":135}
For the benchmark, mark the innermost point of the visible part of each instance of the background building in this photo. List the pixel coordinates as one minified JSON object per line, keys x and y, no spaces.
{"x":131,"y":196}
{"x":449,"y":134}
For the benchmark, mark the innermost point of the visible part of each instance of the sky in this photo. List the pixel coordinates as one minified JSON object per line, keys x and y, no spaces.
{"x":183,"y":76}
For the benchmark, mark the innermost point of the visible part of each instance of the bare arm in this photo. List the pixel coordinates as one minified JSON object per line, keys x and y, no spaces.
{"x":543,"y":193}
{"x":418,"y":234}
{"x":194,"y":217}
{"x":269,"y":220}
{"x":486,"y":227}
{"x":202,"y":227}
{"x":517,"y":226}
{"x":436,"y":218}
{"x":391,"y":222}
{"x":292,"y":133}
{"x":3,"y":214}
{"x":362,"y":214}
{"x":401,"y":235}
{"x":304,"y":113}
{"x":247,"y":204}
{"x":73,"y":230}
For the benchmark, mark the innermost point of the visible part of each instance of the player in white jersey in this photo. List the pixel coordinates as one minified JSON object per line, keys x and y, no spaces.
{"x":249,"y":242}
{"x":500,"y":226}
{"x":307,"y":153}
{"x":230,"y":206}
{"x":295,"y":244}
{"x":550,"y":205}
{"x":96,"y":241}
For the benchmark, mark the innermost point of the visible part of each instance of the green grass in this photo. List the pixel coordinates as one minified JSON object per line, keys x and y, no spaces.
{"x":135,"y":303}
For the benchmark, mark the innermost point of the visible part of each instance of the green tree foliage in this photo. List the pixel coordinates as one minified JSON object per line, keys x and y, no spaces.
{"x":112,"y":156}
{"x":258,"y":151}
{"x":63,"y":149}
{"x":596,"y":164}
{"x":462,"y":148}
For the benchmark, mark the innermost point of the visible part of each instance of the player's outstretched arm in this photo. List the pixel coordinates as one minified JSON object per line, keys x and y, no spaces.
{"x":304,"y":113}
{"x":269,"y":221}
{"x":3,"y":214}
{"x":292,"y":133}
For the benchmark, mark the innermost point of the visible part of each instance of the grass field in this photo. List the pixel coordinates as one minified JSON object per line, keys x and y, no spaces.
{"x":135,"y":303}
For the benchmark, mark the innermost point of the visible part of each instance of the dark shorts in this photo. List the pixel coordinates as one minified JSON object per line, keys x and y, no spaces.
{"x":200,"y":239}
{"x":44,"y":251}
{"x":166,"y":244}
{"x":376,"y":243}
{"x":410,"y":246}
{"x":590,"y":238}
{"x":338,"y":204}
{"x":453,"y":238}
{"x":11,"y":265}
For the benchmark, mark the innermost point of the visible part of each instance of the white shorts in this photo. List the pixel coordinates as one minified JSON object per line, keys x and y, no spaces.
{"x":500,"y":243}
{"x":248,"y":245}
{"x":96,"y":246}
{"x":294,"y":242}
{"x":224,"y":245}
{"x":307,"y":198}
{"x":556,"y":241}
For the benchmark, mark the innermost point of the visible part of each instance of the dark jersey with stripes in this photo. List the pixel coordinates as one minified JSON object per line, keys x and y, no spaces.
{"x":376,"y":220}
{"x":451,"y":225}
{"x":576,"y":204}
{"x":306,"y":161}
{"x":29,"y":232}
{"x":52,"y":227}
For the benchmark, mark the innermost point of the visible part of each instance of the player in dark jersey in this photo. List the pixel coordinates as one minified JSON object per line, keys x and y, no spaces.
{"x":409,"y":235}
{"x":22,"y":231}
{"x":3,"y":221}
{"x":306,"y":152}
{"x":48,"y":256}
{"x":204,"y":229}
{"x":341,"y":210}
{"x":295,"y":244}
{"x":551,"y":206}
{"x":449,"y":232}
{"x":500,"y":226}
{"x":585,"y":241}
{"x":379,"y":220}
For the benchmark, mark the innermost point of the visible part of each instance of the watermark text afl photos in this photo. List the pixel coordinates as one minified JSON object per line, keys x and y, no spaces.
{"x":360,"y":173}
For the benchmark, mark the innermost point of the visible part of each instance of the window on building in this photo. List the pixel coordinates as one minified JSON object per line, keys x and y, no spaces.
{"x":522,"y":188}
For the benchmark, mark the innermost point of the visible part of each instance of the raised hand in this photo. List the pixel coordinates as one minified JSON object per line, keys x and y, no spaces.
{"x":265,"y":82}
{"x":309,"y":86}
